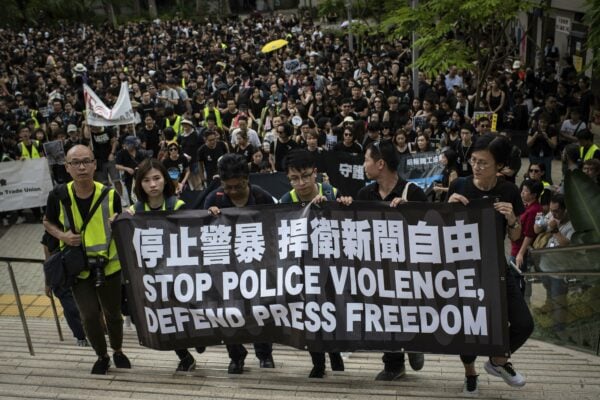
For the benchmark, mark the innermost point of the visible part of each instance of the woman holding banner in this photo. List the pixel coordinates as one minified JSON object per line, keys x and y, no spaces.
{"x":155,"y":191}
{"x":488,"y":158}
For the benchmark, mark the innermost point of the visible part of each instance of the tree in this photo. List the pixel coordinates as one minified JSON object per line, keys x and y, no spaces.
{"x":470,"y":34}
{"x":592,"y":19}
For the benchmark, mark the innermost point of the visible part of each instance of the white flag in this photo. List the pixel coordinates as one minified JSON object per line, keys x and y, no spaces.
{"x":24,"y":184}
{"x":97,"y":114}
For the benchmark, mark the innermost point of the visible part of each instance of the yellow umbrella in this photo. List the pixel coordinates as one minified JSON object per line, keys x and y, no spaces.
{"x":273,"y":45}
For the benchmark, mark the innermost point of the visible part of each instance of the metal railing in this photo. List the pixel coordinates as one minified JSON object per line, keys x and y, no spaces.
{"x":9,"y":261}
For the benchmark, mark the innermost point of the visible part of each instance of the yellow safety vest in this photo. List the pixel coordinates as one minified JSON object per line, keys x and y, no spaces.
{"x":97,"y":232}
{"x":176,"y":124}
{"x":296,"y":199}
{"x":177,"y":206}
{"x":34,"y":150}
{"x":217,"y":116}
{"x":36,"y":123}
{"x":589,"y":154}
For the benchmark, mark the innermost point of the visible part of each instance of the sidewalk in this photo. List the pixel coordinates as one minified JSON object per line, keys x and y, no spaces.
{"x":24,"y":241}
{"x":61,"y":370}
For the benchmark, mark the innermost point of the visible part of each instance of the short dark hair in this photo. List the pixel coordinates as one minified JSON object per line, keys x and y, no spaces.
{"x":144,"y":167}
{"x":233,"y":166}
{"x":535,"y":187}
{"x":559,"y":199}
{"x":498,"y":146}
{"x":384,"y":150}
{"x":584,"y":134}
{"x":299,"y":159}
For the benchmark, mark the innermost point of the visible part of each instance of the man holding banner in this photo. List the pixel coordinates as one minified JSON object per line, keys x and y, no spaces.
{"x":381,"y":164}
{"x":300,"y":166}
{"x":235,"y":191}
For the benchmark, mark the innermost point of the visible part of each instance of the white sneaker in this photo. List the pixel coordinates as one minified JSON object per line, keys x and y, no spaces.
{"x":20,"y":220}
{"x":471,"y":385}
{"x":83,"y":342}
{"x":506,"y":372}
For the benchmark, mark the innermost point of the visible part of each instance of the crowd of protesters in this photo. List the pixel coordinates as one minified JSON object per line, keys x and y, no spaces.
{"x":203,"y":90}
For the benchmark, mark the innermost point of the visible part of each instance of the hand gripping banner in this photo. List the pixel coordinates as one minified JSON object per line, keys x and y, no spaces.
{"x":423,"y":277}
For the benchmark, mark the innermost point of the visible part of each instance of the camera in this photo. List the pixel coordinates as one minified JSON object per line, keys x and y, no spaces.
{"x":97,"y":265}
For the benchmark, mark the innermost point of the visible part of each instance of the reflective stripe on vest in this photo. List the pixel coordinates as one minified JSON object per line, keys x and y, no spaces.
{"x":34,"y":150}
{"x":36,"y":123}
{"x":217,"y":113}
{"x":296,"y":199}
{"x":589,"y":154}
{"x":97,"y":232}
{"x":176,"y":124}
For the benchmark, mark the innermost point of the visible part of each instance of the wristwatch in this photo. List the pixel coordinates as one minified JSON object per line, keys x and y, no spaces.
{"x":515,"y":225}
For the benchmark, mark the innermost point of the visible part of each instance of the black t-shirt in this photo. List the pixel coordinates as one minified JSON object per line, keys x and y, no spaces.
{"x":125,"y":159}
{"x":152,"y":139}
{"x":464,"y":155}
{"x":176,"y":168}
{"x":220,"y":199}
{"x":371,"y":192}
{"x":281,"y":151}
{"x":354,"y":148}
{"x":540,"y":147}
{"x":504,"y":191}
{"x":358,"y":105}
{"x":102,"y":144}
{"x":190,"y":145}
{"x":209,"y":158}
{"x":246,"y":153}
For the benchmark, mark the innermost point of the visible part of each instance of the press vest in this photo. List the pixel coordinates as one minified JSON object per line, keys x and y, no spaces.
{"x":176,"y":124}
{"x":34,"y":150}
{"x":36,"y":123}
{"x":329,"y":194}
{"x":170,"y":204}
{"x":97,"y":232}
{"x":217,"y":113}
{"x":588,"y":154}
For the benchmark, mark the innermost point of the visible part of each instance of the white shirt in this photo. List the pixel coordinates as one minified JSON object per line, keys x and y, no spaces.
{"x":570,"y":128}
{"x":252,"y":137}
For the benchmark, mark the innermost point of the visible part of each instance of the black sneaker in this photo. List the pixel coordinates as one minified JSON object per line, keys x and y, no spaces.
{"x":416,"y":361}
{"x":317,"y":372}
{"x":337,"y":363}
{"x":101,"y":366}
{"x":471,"y":386}
{"x":391,"y":375}
{"x":121,"y":360}
{"x":188,"y":363}
{"x":267,"y":362}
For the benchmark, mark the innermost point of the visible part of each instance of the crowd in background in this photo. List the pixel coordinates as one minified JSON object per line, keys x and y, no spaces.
{"x":201,"y":90}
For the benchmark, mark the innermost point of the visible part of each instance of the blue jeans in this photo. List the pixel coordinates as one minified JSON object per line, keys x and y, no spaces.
{"x":70,"y":310}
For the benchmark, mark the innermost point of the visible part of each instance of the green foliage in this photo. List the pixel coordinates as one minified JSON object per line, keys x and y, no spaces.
{"x":582,"y":196}
{"x":329,"y":7}
{"x":466,"y":33}
{"x":592,"y":19}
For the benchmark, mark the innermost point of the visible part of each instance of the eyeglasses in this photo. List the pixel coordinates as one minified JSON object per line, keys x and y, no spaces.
{"x":347,"y":134}
{"x":304,"y":178}
{"x":237,"y":187}
{"x":478,"y":164}
{"x":484,"y":125}
{"x":535,"y":170}
{"x":173,"y":149}
{"x":79,"y":163}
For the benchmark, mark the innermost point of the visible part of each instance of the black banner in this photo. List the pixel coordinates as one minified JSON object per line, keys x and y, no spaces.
{"x":346,"y":171}
{"x":423,"y":277}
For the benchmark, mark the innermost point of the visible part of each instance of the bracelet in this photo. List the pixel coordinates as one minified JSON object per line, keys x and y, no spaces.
{"x":515,"y":225}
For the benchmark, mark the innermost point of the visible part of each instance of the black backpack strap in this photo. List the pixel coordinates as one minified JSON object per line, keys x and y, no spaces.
{"x":103,"y":194}
{"x":170,"y":203}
